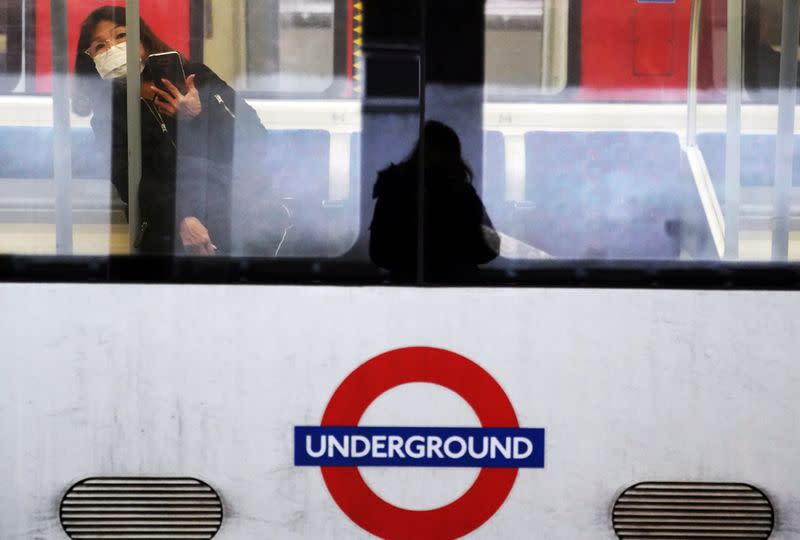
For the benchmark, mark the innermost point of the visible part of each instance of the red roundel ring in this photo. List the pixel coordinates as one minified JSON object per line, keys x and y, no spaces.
{"x":419,"y":365}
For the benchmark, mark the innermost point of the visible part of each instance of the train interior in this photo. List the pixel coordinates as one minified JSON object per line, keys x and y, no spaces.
{"x":606,"y":134}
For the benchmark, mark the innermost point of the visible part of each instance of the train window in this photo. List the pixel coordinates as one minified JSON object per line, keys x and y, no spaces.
{"x":761,"y":52}
{"x":302,"y":199}
{"x":10,"y":44}
{"x":749,"y":191}
{"x":763,"y":48}
{"x":526,"y":47}
{"x":623,"y":177}
{"x":284,"y":46}
{"x":232,"y":173}
{"x":277,"y":145}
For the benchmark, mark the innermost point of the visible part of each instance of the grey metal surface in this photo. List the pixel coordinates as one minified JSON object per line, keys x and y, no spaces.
{"x":134,"y":121}
{"x":733,"y":129}
{"x":130,"y":507}
{"x":784,"y":146}
{"x":692,"y":510}
{"x":62,"y":151}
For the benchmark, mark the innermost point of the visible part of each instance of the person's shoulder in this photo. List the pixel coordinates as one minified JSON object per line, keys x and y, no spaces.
{"x":472,"y":191}
{"x":392,"y":170}
{"x":394,"y":174}
{"x":390,"y":179}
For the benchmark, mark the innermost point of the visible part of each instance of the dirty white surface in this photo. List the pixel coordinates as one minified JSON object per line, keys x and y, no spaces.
{"x":210,"y":381}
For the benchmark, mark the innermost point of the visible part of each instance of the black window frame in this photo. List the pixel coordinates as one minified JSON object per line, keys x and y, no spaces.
{"x":249,"y":271}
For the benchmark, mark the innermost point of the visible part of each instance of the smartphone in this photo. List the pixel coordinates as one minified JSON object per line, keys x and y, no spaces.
{"x":167,"y":65}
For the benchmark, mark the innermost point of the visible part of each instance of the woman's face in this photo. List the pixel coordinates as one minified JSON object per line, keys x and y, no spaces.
{"x":107,"y":34}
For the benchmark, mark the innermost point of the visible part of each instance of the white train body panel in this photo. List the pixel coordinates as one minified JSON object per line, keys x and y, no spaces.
{"x":209,"y":382}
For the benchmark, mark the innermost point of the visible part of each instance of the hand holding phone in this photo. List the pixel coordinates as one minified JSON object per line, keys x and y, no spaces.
{"x":176,"y":94}
{"x":167,"y":65}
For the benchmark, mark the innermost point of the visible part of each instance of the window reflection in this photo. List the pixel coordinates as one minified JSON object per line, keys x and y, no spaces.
{"x":610,"y":175}
{"x":11,"y":35}
{"x":290,"y":45}
{"x":762,"y":60}
{"x":526,"y":47}
{"x":742,"y":192}
{"x":458,"y":232}
{"x":266,"y":175}
{"x":600,"y":168}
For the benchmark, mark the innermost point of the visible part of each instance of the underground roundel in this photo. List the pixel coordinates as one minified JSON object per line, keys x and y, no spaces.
{"x":499,"y":448}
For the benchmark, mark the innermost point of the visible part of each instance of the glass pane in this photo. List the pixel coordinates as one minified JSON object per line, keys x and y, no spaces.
{"x":222,"y":173}
{"x":298,"y":190}
{"x":607,"y":170}
{"x":289,"y":46}
{"x":598,"y":171}
{"x":11,"y":29}
{"x":770,"y":175}
{"x":763,"y":35}
{"x":742,"y":196}
{"x":526,"y":47}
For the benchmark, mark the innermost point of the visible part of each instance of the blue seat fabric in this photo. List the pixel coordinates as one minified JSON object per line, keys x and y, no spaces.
{"x":757,"y":160}
{"x":27,"y":152}
{"x":606,"y":194}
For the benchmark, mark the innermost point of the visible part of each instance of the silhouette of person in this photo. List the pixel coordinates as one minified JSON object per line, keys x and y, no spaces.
{"x":458,"y":234}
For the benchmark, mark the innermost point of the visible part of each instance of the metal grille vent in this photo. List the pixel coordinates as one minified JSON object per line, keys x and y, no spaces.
{"x":141,"y":508}
{"x":693,"y":510}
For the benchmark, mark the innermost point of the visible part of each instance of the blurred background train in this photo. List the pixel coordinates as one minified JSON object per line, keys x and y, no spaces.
{"x":605,"y":49}
{"x":300,"y":63}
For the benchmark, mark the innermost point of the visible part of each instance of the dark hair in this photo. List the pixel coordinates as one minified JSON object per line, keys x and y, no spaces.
{"x":87,"y":79}
{"x":441,"y":141}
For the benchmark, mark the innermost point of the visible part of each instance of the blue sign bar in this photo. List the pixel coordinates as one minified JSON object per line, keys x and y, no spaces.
{"x":353,"y":446}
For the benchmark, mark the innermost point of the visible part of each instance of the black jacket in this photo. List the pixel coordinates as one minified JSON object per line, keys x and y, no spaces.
{"x":458,"y":232}
{"x":187,"y":168}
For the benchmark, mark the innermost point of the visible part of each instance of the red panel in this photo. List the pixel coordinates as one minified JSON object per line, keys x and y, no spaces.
{"x":654,"y":41}
{"x":169,"y":19}
{"x":634,"y":50}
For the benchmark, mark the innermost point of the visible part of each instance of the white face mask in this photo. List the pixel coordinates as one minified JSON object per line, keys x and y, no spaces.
{"x":113,"y":63}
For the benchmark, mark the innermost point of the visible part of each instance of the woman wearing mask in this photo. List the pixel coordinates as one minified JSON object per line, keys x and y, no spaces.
{"x":187,"y":137}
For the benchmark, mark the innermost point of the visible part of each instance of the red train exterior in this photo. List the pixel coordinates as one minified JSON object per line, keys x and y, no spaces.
{"x":634,"y":49}
{"x":629,"y":49}
{"x":168,"y":19}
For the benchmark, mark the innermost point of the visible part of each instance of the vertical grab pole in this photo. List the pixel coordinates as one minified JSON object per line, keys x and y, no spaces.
{"x":62,"y":151}
{"x":134,"y":120}
{"x":691,"y":97}
{"x":733,"y":130}
{"x":784,"y":147}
